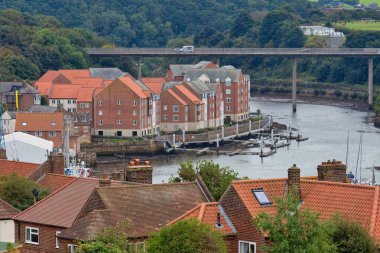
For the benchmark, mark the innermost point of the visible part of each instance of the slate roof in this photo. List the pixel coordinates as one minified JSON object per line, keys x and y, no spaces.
{"x":207,"y":213}
{"x":202,"y":87}
{"x":213,"y":74}
{"x":42,"y":108}
{"x":11,"y":114}
{"x":106,"y":73}
{"x":19,"y":168}
{"x":13,"y":86}
{"x":39,"y":121}
{"x":147,"y":207}
{"x":7,"y":211}
{"x":357,"y":202}
{"x":181,"y":69}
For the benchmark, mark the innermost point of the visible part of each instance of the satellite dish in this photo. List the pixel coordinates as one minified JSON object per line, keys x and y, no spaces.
{"x":35,"y":192}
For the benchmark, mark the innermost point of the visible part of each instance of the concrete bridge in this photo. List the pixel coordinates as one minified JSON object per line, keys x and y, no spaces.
{"x":293,"y":53}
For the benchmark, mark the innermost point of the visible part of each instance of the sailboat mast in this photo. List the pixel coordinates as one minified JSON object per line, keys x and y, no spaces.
{"x":348,"y":144}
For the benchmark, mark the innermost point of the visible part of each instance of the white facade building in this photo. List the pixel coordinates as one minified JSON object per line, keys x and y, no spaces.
{"x":320,"y":31}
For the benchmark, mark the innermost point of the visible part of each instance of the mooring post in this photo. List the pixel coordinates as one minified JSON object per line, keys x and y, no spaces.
{"x":370,"y":82}
{"x":173,"y":140}
{"x":217,"y":144}
{"x":250,"y":126}
{"x":237,"y":128}
{"x":294,"y":83}
{"x":139,"y":68}
{"x":222,"y":132}
{"x":183,"y":136}
{"x":217,"y":61}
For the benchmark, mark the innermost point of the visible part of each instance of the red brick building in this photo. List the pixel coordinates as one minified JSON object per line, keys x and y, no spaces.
{"x":26,"y":94}
{"x":124,"y":108}
{"x":176,"y":72}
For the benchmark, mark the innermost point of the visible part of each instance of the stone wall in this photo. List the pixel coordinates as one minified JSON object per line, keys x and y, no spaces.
{"x":128,"y":148}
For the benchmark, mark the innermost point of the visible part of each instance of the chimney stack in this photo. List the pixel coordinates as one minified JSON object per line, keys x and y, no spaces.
{"x":333,"y":171}
{"x":294,"y":181}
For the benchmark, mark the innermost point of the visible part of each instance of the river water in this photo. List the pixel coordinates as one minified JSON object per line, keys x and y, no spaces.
{"x":327,"y":128}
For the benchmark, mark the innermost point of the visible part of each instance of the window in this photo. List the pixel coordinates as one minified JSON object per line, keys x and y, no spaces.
{"x":165,"y":116}
{"x":31,"y":235}
{"x":52,"y":134}
{"x":228,"y":100}
{"x":38,"y":133}
{"x":69,"y":110}
{"x":165,"y":107}
{"x":228,"y":91}
{"x":175,"y":117}
{"x":75,"y":119}
{"x":118,"y":102}
{"x":261,"y":196}
{"x":57,"y":243}
{"x":247,"y":247}
{"x":87,"y":105}
{"x":134,"y":112}
{"x":100,"y":122}
{"x":134,"y":102}
{"x":74,"y":102}
{"x":119,"y":122}
{"x":85,"y":129}
{"x":100,"y":102}
{"x":175,"y":108}
{"x":81,"y":105}
{"x":23,"y":123}
{"x":119,"y":112}
{"x":186,"y":108}
{"x":69,"y":101}
{"x":53,"y":101}
{"x":100,"y":113}
{"x":72,"y":248}
{"x":53,"y":123}
{"x":134,"y":122}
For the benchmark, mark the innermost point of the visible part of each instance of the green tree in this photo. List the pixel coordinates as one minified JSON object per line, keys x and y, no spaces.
{"x":109,"y":240}
{"x":17,"y":191}
{"x":189,"y":236}
{"x":216,"y":178}
{"x":350,"y":237}
{"x":293,"y":230}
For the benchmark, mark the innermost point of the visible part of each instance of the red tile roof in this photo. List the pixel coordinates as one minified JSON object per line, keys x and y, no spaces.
{"x":43,"y":87}
{"x":62,"y":207}
{"x":7,"y":211}
{"x":55,"y":181}
{"x":92,"y":82}
{"x":85,"y":94}
{"x":64,"y":91}
{"x":131,"y":83}
{"x":75,"y":73}
{"x":39,"y":121}
{"x":171,"y":92}
{"x":19,"y":168}
{"x":357,"y":202}
{"x":154,"y":84}
{"x":207,"y":213}
{"x":185,"y":91}
{"x":49,"y":76}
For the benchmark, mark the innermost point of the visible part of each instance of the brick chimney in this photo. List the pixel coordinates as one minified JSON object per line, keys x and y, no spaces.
{"x":104,"y":182}
{"x":294,"y":180}
{"x":3,"y":153}
{"x":333,"y":171}
{"x":139,"y":172}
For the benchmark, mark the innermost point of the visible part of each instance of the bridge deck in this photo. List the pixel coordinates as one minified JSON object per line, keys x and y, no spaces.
{"x":246,"y":52}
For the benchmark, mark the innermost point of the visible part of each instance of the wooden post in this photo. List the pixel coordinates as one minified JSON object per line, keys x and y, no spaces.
{"x":237,"y":128}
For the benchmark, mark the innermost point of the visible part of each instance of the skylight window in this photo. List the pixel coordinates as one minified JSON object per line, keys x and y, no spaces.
{"x":261,"y":197}
{"x":53,"y":123}
{"x":23,"y":123}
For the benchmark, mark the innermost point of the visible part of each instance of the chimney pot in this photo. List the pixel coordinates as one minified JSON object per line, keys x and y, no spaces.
{"x":294,"y":181}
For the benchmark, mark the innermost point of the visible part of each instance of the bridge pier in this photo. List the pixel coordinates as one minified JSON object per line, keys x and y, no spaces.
{"x":139,"y":68}
{"x":370,"y":82}
{"x":294,"y":84}
{"x":218,"y":61}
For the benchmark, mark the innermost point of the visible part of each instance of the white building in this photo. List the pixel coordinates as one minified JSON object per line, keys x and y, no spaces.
{"x":7,"y":225}
{"x":9,"y":122}
{"x":27,"y":148}
{"x":320,"y":31}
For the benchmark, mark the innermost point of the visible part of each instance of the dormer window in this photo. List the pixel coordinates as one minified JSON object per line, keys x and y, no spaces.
{"x":261,"y":197}
{"x":228,"y":81}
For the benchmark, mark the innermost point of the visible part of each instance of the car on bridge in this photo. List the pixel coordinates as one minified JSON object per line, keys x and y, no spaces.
{"x":184,"y":49}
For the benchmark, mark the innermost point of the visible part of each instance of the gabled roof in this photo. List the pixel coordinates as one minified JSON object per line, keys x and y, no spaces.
{"x":148,"y":207}
{"x":26,"y":121}
{"x":85,"y":94}
{"x":55,"y":181}
{"x":179,"y":69}
{"x":43,"y":87}
{"x":132,"y":84}
{"x":42,"y":108}
{"x":106,"y":73}
{"x":75,"y":73}
{"x":207,"y":213}
{"x":154,"y":84}
{"x":213,"y":74}
{"x":7,"y":211}
{"x":187,"y":93}
{"x":12,"y":114}
{"x":90,"y":82}
{"x":171,"y":92}
{"x":64,"y":91}
{"x":61,"y":207}
{"x":19,"y":168}
{"x":357,"y":202}
{"x":49,"y":76}
{"x":202,"y":87}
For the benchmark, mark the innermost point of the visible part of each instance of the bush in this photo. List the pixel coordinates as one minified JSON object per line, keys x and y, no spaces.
{"x":337,"y":93}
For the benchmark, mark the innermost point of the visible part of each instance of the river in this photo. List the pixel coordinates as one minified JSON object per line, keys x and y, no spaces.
{"x":326,"y":127}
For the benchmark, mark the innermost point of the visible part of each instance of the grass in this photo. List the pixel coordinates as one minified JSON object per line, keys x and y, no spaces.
{"x":366,"y":2}
{"x":360,"y":25}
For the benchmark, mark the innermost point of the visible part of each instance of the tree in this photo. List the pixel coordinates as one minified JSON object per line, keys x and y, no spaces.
{"x":109,"y":240}
{"x":17,"y":191}
{"x":189,"y":236}
{"x":242,"y":24}
{"x":349,"y":236}
{"x":294,"y":230}
{"x":216,"y":178}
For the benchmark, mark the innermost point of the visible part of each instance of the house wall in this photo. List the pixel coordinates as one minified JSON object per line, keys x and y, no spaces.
{"x":9,"y":124}
{"x":168,"y":101}
{"x":69,"y":105}
{"x":241,"y":218}
{"x":7,"y":228}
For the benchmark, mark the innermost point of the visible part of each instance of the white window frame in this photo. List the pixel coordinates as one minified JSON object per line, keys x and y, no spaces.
{"x":100,"y":113}
{"x":165,"y":116}
{"x":134,"y":113}
{"x":100,"y":122}
{"x":228,"y":91}
{"x":52,"y":133}
{"x":134,"y":122}
{"x":81,"y":105}
{"x":134,"y":102}
{"x":118,"y":111}
{"x":175,"y":108}
{"x":175,"y":117}
{"x":249,"y":243}
{"x":57,"y":243}
{"x":165,"y":107}
{"x":87,"y":105}
{"x":118,"y":102}
{"x":119,"y":122}
{"x":100,"y":102}
{"x":29,"y":240}
{"x":228,"y":100}
{"x":72,"y":248}
{"x":228,"y":108}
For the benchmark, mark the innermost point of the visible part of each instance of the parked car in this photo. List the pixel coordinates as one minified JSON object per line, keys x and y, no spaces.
{"x":185,"y":49}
